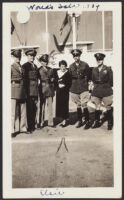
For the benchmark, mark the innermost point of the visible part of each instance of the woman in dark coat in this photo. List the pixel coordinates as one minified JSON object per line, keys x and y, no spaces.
{"x":63,"y":83}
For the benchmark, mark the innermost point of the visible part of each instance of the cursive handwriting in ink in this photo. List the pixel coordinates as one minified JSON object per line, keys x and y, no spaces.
{"x":55,"y":192}
{"x":91,"y":6}
{"x":68,"y":6}
{"x":40,"y":7}
{"x":35,"y":7}
{"x":97,"y":6}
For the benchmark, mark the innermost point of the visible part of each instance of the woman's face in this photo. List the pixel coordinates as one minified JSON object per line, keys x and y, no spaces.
{"x":44,"y":64}
{"x":62,"y":68}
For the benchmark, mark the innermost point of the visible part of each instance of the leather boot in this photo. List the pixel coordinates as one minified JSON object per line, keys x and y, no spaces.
{"x":90,"y":121}
{"x":97,"y":123}
{"x":104,"y":119}
{"x":110,"y":119}
{"x":79,"y":116}
{"x":86,"y":116}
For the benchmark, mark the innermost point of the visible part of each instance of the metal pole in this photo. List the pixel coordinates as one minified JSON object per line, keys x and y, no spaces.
{"x":74,"y":31}
{"x":103,"y":31}
{"x":47,"y":48}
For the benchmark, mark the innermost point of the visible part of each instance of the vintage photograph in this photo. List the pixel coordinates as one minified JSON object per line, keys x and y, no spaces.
{"x":62,"y":81}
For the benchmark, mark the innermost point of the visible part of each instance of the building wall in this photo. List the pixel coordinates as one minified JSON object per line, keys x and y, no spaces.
{"x":88,"y":29}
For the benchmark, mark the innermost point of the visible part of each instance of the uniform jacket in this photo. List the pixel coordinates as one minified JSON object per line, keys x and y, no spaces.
{"x":31,"y":75}
{"x":103,"y":82}
{"x":18,"y":90}
{"x":46,"y":87}
{"x":80,"y":77}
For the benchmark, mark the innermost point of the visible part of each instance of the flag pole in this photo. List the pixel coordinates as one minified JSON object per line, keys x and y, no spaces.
{"x":74,"y":31}
{"x":47,"y":48}
{"x":103,"y":31}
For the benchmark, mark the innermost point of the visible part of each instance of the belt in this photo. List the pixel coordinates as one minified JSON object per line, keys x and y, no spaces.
{"x":32,"y":79}
{"x":17,"y":81}
{"x":45,"y":81}
{"x":100,"y":83}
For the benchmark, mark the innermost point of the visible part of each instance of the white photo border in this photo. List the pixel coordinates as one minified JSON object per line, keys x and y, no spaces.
{"x":106,"y":192}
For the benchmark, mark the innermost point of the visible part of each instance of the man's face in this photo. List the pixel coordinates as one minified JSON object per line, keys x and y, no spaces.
{"x":99,"y":62}
{"x":76,"y":58}
{"x":17,"y":59}
{"x":31,"y":58}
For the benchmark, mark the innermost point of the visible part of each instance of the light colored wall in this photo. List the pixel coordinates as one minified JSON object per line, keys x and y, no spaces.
{"x":90,"y":29}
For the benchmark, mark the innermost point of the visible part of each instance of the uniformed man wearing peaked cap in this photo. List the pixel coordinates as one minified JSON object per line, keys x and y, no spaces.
{"x":31,"y":88}
{"x":18,"y":95}
{"x":46,"y":91}
{"x":102,"y":77}
{"x":79,"y":72}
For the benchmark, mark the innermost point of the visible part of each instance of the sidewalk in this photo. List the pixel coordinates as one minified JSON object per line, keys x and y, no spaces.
{"x":63,"y":157}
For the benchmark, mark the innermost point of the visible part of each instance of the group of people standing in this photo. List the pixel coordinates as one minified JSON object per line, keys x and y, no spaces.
{"x":33,"y":89}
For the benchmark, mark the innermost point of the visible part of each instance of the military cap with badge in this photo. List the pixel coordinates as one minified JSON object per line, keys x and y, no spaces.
{"x":99,"y":56}
{"x":44,"y":58}
{"x":31,"y":52}
{"x":16,"y":53}
{"x":76,"y":52}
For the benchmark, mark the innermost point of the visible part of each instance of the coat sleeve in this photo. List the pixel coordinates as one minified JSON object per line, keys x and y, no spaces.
{"x":110,"y":76}
{"x":14,"y":76}
{"x":88,"y":73}
{"x":26,"y":80}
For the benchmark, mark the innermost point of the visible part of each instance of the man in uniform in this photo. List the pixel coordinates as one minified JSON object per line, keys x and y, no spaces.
{"x":80,"y":72}
{"x":46,"y":91}
{"x":32,"y":88}
{"x":102,"y":77}
{"x":18,"y":95}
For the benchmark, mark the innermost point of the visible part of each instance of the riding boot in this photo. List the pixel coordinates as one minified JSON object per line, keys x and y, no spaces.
{"x":97,"y":123}
{"x":79,"y":116}
{"x":86,"y":116}
{"x":110,"y":119}
{"x":90,"y":121}
{"x":104,"y":119}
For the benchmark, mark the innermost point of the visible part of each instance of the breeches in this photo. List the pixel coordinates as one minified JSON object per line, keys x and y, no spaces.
{"x":80,"y":99}
{"x":107,"y":102}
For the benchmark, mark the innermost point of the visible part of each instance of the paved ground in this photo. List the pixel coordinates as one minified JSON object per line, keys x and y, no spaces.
{"x":84,"y":157}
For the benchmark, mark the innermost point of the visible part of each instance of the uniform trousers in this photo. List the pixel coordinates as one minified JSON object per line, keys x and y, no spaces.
{"x":107,"y":101}
{"x":31,"y":112}
{"x":18,"y":115}
{"x":47,"y":110}
{"x":80,"y":99}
